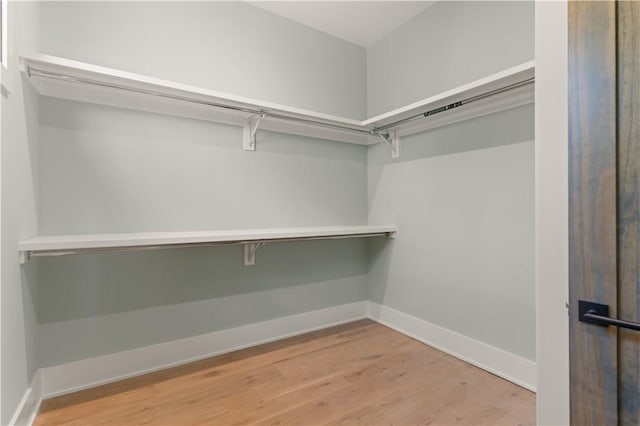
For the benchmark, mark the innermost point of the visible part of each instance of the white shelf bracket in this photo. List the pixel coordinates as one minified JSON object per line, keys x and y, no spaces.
{"x":250,"y":250}
{"x":23,"y":257}
{"x":249,"y":134}
{"x":393,"y":140}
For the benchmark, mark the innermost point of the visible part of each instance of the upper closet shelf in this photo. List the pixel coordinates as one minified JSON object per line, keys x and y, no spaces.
{"x":68,"y":79}
{"x":251,"y":239}
{"x":506,"y":89}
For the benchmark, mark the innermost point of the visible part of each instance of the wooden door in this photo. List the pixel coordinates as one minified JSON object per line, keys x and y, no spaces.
{"x":604,"y":209}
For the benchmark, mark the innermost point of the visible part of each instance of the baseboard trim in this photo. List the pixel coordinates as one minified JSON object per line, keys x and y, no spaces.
{"x":29,"y":404}
{"x":78,"y":375}
{"x":511,"y":367}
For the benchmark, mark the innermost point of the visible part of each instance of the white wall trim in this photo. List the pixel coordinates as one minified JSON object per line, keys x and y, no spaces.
{"x":511,"y":367}
{"x":74,"y":376}
{"x":28,"y":408}
{"x":78,"y":375}
{"x":551,"y":161}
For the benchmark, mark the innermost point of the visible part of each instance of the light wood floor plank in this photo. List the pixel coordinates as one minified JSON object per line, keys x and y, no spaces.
{"x":360,"y":373}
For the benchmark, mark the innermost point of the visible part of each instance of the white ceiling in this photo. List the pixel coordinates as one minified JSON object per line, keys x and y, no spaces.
{"x":360,"y":22}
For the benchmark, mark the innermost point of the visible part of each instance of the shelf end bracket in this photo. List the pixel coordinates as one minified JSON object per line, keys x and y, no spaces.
{"x":250,"y":130}
{"x":23,"y":67}
{"x":250,"y":250}
{"x":23,"y":257}
{"x":393,"y":140}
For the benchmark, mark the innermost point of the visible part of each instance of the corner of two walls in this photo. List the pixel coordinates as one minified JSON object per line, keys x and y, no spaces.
{"x":462,"y":196}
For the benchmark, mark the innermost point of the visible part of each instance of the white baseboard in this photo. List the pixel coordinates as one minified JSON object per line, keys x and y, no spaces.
{"x":74,"y":376}
{"x":28,"y":408}
{"x":511,"y":367}
{"x":83,"y":374}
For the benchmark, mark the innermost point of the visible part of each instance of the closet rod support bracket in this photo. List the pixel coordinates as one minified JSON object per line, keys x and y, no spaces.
{"x":392,"y":139}
{"x":250,"y":250}
{"x":249,"y":132}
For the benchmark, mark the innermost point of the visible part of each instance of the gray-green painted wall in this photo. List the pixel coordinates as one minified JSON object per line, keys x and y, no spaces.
{"x":226,"y":46}
{"x":19,"y":156}
{"x":462,"y":199}
{"x":449,"y":44}
{"x":462,"y":196}
{"x":106,"y":169}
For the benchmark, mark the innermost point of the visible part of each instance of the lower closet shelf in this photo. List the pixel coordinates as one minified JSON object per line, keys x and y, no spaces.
{"x":251,"y":239}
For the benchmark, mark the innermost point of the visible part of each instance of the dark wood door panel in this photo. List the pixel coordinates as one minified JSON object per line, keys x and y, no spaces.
{"x":592,"y":208}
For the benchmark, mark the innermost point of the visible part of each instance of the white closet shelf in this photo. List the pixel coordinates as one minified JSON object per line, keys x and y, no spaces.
{"x":69,"y":79}
{"x":514,"y":86}
{"x":252,"y":239}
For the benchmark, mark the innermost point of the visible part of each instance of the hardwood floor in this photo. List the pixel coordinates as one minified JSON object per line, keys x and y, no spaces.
{"x":357,"y":373}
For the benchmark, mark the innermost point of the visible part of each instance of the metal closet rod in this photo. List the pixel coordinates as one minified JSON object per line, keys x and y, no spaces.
{"x":92,"y":250}
{"x":455,"y":105}
{"x":373,"y":131}
{"x":57,"y":76}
